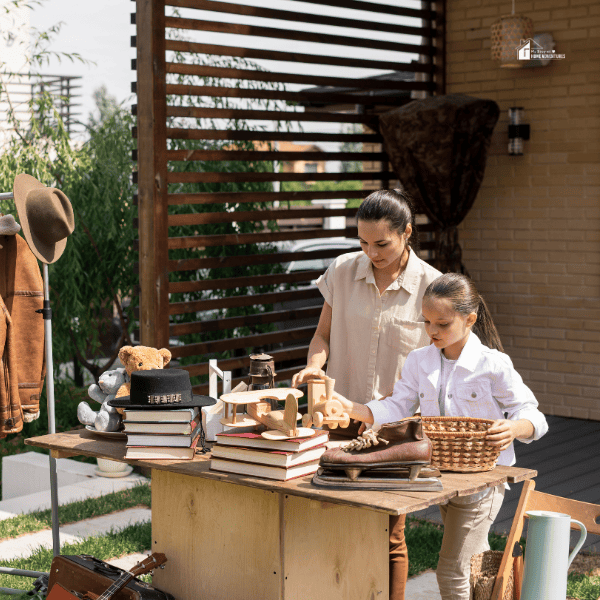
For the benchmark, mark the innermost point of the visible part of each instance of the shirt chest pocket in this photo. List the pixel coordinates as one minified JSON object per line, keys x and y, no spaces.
{"x":428,"y":401}
{"x":403,"y":334}
{"x":476,"y":399}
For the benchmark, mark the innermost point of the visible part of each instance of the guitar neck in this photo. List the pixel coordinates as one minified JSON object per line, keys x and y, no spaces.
{"x":118,"y":584}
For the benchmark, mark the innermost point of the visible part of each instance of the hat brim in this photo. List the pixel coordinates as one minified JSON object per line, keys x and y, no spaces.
{"x":47,"y":253}
{"x":199,"y":401}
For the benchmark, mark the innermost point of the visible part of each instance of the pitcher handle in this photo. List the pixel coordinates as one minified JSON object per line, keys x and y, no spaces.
{"x":580,"y":542}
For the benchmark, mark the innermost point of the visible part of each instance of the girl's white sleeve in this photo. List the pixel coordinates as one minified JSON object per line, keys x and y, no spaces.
{"x":516,"y":399}
{"x":403,"y":402}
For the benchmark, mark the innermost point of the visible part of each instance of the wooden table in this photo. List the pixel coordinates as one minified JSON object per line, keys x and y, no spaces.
{"x":229,"y":537}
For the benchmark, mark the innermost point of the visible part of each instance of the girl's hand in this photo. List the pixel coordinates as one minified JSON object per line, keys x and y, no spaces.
{"x":347,"y":404}
{"x":501,"y":433}
{"x":307,"y":374}
{"x":358,"y":412}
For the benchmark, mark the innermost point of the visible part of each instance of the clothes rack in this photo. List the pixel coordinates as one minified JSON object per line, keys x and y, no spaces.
{"x":47,"y":316}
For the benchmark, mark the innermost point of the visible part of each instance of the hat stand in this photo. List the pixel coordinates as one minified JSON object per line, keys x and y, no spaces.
{"x":47,"y":316}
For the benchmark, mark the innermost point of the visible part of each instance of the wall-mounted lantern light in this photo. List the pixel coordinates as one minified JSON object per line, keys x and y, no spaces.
{"x":517,"y":130}
{"x":508,"y":35}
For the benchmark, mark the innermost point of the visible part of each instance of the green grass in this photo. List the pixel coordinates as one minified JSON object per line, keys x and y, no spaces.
{"x":76,"y":511}
{"x":135,"y":538}
{"x":424,"y":540}
{"x":583,"y":587}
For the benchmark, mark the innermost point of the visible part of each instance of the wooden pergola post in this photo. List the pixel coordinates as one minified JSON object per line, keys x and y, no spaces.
{"x":152,"y":173}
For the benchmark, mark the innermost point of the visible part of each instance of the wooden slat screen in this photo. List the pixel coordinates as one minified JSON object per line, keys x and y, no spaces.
{"x":222,"y":121}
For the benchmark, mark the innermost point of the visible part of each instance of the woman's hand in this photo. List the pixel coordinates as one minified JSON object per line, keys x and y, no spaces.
{"x":502,"y":433}
{"x":307,"y":374}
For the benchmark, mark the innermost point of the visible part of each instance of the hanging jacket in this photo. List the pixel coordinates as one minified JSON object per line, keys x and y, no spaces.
{"x":11,"y":414}
{"x":22,"y":289}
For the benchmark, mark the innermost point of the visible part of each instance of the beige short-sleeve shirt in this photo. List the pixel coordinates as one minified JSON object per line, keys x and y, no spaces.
{"x":372,"y":333}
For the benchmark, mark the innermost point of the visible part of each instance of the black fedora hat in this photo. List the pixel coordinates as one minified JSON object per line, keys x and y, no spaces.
{"x":161,"y":389}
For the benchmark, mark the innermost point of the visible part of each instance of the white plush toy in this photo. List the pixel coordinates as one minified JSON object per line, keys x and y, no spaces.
{"x":107,"y":418}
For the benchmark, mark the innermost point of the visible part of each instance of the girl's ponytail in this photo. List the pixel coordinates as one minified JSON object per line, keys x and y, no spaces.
{"x":465,"y":299}
{"x":485,"y":329}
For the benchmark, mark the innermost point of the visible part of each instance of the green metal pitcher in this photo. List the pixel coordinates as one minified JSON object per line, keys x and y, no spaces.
{"x":547,"y":557}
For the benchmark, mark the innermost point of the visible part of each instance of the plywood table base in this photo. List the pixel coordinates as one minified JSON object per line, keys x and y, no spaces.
{"x":235,"y":537}
{"x":228,"y":542}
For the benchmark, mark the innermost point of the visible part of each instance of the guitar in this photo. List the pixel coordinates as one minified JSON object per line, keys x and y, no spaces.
{"x":59,"y":592}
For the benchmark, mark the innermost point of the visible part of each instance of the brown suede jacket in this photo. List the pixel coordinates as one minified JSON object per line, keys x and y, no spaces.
{"x":21,"y":335}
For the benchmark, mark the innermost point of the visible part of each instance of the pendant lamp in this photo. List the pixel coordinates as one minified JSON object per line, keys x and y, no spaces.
{"x":508,"y":34}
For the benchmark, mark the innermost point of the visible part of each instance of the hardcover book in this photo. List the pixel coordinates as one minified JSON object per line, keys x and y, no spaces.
{"x":175,"y":415}
{"x":255,"y":440}
{"x":264,"y":471}
{"x":154,"y":439}
{"x":164,"y":452}
{"x":275,"y":458}
{"x":162,"y":428}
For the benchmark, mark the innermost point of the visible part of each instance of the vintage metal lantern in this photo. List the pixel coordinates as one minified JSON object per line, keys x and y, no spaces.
{"x":262,"y":372}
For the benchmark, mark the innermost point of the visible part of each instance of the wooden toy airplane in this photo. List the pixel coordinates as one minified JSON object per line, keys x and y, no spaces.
{"x":282,"y":423}
{"x":323,"y":409}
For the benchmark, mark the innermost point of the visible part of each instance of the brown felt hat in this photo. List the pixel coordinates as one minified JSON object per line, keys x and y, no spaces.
{"x":46,"y":216}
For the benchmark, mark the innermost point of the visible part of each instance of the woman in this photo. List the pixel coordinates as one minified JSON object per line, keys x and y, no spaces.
{"x":371,"y":321}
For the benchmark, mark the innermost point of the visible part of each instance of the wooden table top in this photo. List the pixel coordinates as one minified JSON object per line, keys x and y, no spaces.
{"x":83,"y":442}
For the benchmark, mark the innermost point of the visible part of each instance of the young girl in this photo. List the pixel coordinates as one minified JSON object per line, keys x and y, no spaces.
{"x":370,"y":321}
{"x":462,"y":373}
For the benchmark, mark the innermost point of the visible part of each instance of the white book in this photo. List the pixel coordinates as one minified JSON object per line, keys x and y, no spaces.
{"x":153,"y":439}
{"x":161,"y":452}
{"x":171,"y":415}
{"x":264,"y":471}
{"x":163,"y":428}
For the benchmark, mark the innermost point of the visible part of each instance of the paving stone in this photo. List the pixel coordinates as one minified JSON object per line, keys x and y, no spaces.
{"x":91,"y":488}
{"x":25,"y":545}
{"x":423,"y":587}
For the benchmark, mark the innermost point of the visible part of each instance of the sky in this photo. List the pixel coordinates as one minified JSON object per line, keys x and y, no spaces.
{"x":101,"y":32}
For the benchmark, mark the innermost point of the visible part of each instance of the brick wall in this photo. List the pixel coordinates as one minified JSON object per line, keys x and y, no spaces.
{"x":532,"y":239}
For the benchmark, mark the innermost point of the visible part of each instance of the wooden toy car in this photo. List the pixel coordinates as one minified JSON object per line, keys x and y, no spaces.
{"x":323,"y":409}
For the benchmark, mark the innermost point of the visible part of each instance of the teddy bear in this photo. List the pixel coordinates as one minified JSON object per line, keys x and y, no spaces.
{"x":140,"y":358}
{"x":107,"y":418}
{"x":116,"y":383}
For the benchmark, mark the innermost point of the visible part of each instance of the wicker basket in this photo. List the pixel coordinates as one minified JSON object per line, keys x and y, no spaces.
{"x":484,"y":569}
{"x":459,"y":444}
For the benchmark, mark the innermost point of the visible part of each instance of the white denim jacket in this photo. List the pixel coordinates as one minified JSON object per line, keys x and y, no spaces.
{"x":484,"y":384}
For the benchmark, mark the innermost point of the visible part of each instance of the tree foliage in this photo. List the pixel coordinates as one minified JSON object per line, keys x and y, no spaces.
{"x":95,"y":273}
{"x":93,"y":283}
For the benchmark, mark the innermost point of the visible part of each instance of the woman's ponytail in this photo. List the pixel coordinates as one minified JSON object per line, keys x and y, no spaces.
{"x":396,"y":207}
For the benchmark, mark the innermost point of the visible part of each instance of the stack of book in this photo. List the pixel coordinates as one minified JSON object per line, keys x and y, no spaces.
{"x":166,"y":434}
{"x":251,"y":454}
